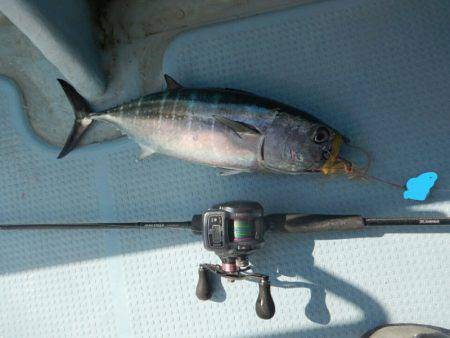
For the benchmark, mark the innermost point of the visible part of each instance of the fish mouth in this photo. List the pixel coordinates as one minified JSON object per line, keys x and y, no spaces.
{"x":335,"y":163}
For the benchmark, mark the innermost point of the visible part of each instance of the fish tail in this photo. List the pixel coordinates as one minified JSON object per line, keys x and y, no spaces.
{"x":82,"y":122}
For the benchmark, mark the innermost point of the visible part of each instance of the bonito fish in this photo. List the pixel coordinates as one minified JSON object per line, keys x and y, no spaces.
{"x":230,"y":129}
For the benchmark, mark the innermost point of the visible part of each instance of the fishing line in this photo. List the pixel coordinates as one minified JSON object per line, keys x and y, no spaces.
{"x":365,"y":168}
{"x":356,"y":174}
{"x":363,"y":171}
{"x":381,"y":180}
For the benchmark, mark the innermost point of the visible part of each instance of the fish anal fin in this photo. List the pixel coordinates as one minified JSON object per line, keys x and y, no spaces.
{"x":237,"y":126}
{"x":171,"y":83}
{"x":230,"y":172}
{"x":146,"y":151}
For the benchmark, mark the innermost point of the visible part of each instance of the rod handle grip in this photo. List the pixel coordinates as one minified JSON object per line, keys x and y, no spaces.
{"x":313,"y":223}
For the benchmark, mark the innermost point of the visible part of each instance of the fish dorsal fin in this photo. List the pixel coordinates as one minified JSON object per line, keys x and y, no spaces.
{"x":237,"y":126}
{"x":171,"y":83}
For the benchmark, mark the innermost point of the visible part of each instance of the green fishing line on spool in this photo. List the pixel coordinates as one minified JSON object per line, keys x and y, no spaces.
{"x":244,"y":230}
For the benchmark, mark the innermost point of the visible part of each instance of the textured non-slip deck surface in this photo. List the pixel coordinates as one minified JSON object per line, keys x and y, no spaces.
{"x":377,"y":70}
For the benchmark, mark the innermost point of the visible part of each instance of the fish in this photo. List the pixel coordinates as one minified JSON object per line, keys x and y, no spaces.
{"x":231,"y":129}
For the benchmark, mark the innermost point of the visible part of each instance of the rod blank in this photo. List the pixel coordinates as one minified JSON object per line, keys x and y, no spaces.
{"x":406,"y":221}
{"x":59,"y":226}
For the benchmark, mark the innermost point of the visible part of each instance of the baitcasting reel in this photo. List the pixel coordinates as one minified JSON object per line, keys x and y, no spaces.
{"x":233,"y":230}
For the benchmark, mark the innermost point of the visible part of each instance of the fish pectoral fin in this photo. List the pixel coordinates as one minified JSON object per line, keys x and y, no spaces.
{"x":229,"y":172}
{"x":237,"y":126}
{"x":171,"y":83}
{"x":146,"y":151}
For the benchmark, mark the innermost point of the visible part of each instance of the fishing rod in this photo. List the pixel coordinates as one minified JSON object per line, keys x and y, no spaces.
{"x":233,"y":230}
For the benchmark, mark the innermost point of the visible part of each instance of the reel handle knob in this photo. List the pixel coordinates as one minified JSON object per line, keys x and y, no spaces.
{"x":203,"y":290}
{"x":265,"y":307}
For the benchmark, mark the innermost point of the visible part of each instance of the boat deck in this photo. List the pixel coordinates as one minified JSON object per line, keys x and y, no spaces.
{"x":376,"y":70}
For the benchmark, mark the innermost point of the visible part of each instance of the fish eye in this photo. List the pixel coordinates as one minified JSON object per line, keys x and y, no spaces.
{"x":321,"y":135}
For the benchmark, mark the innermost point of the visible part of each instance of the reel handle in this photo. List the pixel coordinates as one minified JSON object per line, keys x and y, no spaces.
{"x":264,"y":307}
{"x":203,"y":290}
{"x":313,"y":223}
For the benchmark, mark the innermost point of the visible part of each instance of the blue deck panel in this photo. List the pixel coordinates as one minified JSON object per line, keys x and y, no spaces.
{"x":376,"y":70}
